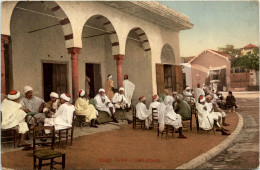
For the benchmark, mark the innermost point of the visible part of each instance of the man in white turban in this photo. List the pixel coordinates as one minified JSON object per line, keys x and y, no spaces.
{"x":53,"y":105}
{"x":64,"y":115}
{"x":208,"y":119}
{"x":167,"y":116}
{"x":83,"y":107}
{"x":143,"y":113}
{"x":212,"y":107}
{"x":104,"y":104}
{"x":13,"y":115}
{"x":129,"y":89}
{"x":188,"y":97}
{"x":33,"y":105}
{"x":119,"y":99}
{"x":198,"y":92}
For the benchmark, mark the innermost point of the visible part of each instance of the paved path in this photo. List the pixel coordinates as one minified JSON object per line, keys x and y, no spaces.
{"x":244,"y":154}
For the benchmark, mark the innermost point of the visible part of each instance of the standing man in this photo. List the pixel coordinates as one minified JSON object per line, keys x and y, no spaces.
{"x":64,"y":115}
{"x":109,"y":87}
{"x":104,"y":104}
{"x":129,"y":89}
{"x":87,"y":86}
{"x":34,"y":105}
{"x":198,"y":92}
{"x":13,"y":115}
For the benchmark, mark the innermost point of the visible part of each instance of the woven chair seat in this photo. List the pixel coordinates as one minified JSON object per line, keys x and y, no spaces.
{"x":47,"y":154}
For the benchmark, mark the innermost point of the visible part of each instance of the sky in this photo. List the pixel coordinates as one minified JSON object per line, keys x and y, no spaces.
{"x":217,"y":24}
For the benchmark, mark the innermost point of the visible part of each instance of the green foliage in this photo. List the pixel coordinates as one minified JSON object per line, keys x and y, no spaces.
{"x":230,"y":50}
{"x":249,"y":61}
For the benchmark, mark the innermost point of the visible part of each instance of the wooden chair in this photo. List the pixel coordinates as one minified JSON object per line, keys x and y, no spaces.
{"x":154,"y":117}
{"x":167,"y":129}
{"x":8,"y":135}
{"x":136,"y":120}
{"x":61,"y":132}
{"x":44,"y":154}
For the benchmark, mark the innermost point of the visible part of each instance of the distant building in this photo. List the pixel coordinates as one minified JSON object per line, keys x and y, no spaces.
{"x":248,"y":48}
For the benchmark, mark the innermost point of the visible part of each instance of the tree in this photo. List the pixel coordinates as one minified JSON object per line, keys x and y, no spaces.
{"x":249,"y":61}
{"x":230,"y":50}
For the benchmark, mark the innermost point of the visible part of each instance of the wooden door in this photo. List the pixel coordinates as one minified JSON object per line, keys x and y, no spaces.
{"x":179,"y":78}
{"x":160,"y":78}
{"x":59,"y":78}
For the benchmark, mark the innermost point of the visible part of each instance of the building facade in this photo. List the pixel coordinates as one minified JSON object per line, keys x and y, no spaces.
{"x":53,"y":46}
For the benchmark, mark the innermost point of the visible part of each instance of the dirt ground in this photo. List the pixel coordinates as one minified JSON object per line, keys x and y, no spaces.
{"x":128,"y":149}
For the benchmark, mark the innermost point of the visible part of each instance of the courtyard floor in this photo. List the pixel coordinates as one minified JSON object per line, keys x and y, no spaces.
{"x":124,"y":148}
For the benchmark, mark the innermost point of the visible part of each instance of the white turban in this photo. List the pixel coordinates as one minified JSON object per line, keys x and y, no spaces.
{"x":27,"y":88}
{"x":121,"y":88}
{"x":174,"y":93}
{"x":13,"y":95}
{"x":202,"y":99}
{"x":168,"y":100}
{"x":65,"y":96}
{"x":101,"y":90}
{"x":179,"y":96}
{"x":81,"y":92}
{"x":187,"y":88}
{"x":53,"y":94}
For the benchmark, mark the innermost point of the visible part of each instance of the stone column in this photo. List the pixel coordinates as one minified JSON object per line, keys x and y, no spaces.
{"x":74,"y":51}
{"x":4,"y":40}
{"x":119,"y":59}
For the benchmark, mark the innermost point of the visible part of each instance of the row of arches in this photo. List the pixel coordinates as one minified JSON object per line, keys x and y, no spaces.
{"x":42,"y":33}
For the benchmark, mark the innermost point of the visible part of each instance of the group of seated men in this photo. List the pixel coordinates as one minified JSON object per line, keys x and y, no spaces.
{"x":58,"y":112}
{"x":174,"y":108}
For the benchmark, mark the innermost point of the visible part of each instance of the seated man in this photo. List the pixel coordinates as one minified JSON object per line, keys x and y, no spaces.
{"x":52,"y":105}
{"x":154,"y":104}
{"x":188,"y":95}
{"x":167,"y":116}
{"x":213,"y":107}
{"x":104,"y":104}
{"x":63,"y":116}
{"x":33,"y":104}
{"x":206,"y":118}
{"x":142,"y":112}
{"x":231,"y":101}
{"x":13,"y":115}
{"x":119,"y":99}
{"x":182,"y":108}
{"x":163,"y":95}
{"x":83,"y":107}
{"x":174,"y":104}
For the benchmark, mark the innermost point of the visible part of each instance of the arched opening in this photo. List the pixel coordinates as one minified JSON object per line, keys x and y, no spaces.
{"x":137,"y":64}
{"x":39,"y":48}
{"x":99,"y":45}
{"x":167,"y":55}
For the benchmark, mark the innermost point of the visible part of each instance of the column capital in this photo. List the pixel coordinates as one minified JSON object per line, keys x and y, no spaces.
{"x":74,"y":50}
{"x":4,"y":39}
{"x":118,"y":57}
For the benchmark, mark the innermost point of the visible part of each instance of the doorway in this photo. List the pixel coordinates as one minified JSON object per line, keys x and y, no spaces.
{"x":93,"y":72}
{"x":54,"y":79}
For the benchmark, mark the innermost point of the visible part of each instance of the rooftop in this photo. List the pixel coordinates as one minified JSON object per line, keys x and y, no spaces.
{"x":249,"y":46}
{"x":154,"y":12}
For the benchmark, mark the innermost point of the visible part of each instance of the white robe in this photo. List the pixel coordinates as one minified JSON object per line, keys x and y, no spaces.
{"x":153,"y":105}
{"x":210,"y":106}
{"x":186,"y":98}
{"x":167,"y":116}
{"x":129,"y":90}
{"x":13,"y":115}
{"x":206,"y":119}
{"x":62,"y":118}
{"x":102,"y":105}
{"x":143,"y":114}
{"x":119,"y":100}
{"x":197,"y":93}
